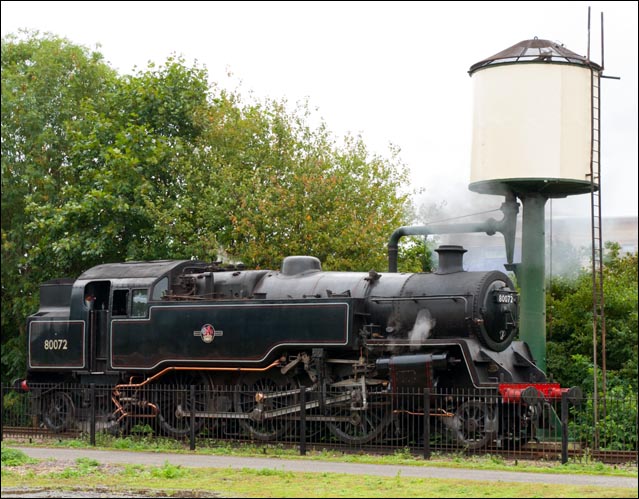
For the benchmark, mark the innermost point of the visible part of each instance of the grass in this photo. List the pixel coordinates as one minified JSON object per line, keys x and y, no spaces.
{"x":178,"y":481}
{"x":20,"y":471}
{"x":14,"y":457}
{"x":402,"y":457}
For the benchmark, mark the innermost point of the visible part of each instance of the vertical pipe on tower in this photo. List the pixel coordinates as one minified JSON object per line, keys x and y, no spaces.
{"x":531,"y":276}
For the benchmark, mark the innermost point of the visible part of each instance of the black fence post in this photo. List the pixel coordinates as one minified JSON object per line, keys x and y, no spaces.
{"x":303,"y":421}
{"x":427,"y":423}
{"x":564,"y":428}
{"x":192,"y":426}
{"x":92,"y":422}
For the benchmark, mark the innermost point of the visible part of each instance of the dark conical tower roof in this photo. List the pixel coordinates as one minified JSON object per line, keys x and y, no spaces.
{"x":534,"y":50}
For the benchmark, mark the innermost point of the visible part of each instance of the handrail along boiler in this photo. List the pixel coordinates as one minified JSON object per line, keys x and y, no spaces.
{"x":351,"y":340}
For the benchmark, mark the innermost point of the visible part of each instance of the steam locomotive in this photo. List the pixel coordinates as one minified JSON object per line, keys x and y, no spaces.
{"x":351,"y":341}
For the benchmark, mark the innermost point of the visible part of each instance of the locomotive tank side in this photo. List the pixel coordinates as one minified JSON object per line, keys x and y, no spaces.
{"x":55,"y":344}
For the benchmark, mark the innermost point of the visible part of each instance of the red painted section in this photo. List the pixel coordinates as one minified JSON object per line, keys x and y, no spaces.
{"x":512,"y":392}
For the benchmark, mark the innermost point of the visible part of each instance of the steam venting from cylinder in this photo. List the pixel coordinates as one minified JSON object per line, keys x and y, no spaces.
{"x":451,"y":259}
{"x":421,"y":330}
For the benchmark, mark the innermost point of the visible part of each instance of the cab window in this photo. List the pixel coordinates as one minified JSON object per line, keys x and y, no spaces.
{"x":139,"y":302}
{"x":120,"y":298}
{"x":160,"y":288}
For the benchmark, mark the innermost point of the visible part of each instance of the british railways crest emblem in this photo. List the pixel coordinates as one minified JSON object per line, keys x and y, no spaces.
{"x":207,"y":332}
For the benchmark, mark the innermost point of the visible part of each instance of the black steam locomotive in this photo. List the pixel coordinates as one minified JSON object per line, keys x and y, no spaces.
{"x":351,"y":341}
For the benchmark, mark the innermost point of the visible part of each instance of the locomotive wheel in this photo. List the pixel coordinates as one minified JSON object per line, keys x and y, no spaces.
{"x":58,"y":411}
{"x":178,"y":396}
{"x":475,"y":424}
{"x":256,"y":394}
{"x":361,"y":425}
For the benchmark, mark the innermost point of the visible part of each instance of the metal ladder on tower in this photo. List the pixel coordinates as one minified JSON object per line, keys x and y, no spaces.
{"x":598,"y":316}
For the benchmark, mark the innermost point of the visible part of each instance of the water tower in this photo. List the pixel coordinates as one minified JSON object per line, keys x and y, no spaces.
{"x":535,"y":137}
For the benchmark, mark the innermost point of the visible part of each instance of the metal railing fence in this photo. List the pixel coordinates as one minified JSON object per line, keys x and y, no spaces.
{"x":350,"y":418}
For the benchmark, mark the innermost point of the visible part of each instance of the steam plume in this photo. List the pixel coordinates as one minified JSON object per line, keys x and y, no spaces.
{"x":421,"y":330}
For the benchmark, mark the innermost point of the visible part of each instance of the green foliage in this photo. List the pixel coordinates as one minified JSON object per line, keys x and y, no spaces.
{"x":285,"y":188}
{"x":570,"y":325}
{"x":84,"y":466}
{"x":14,"y":412}
{"x":13,"y":347}
{"x":403,"y":453}
{"x":15,"y":457}
{"x":570,"y":349}
{"x":616,"y":418}
{"x":169,"y":471}
{"x":47,"y":84}
{"x":142,"y":437}
{"x":98,"y":167}
{"x":128,"y":195}
{"x":142,"y":430}
{"x":415,"y":254}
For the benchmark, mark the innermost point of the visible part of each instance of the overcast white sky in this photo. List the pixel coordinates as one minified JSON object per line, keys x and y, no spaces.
{"x":394,"y":72}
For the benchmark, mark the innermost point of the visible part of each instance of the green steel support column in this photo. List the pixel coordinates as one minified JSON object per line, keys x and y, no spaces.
{"x":532,"y":277}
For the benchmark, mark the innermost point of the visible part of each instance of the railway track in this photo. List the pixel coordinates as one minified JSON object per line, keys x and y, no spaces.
{"x":552,"y":450}
{"x":544,"y":451}
{"x":29,"y":432}
{"x":554,"y":454}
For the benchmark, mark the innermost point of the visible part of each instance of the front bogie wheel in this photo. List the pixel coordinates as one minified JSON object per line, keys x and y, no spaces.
{"x":475,"y":423}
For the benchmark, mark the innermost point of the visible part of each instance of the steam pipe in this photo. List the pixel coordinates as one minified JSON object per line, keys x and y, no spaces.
{"x":507,"y":226}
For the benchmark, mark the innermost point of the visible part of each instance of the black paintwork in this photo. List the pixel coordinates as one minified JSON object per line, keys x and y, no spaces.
{"x":249,"y":334}
{"x":55,"y":344}
{"x":258,"y":316}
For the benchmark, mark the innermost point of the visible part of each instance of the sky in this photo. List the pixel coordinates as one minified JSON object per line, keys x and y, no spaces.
{"x":392,"y":72}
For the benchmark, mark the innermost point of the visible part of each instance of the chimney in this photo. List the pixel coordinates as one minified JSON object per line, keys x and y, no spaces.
{"x":451,"y":259}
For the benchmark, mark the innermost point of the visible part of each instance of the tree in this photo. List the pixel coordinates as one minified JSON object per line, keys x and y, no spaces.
{"x":99,"y":168}
{"x":286,"y":188}
{"x":134,"y":170}
{"x":47,"y":83}
{"x":570,"y":309}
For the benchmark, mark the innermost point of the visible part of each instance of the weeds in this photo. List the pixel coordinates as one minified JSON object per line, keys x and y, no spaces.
{"x":14,"y":457}
{"x":84,"y":466}
{"x":169,"y":471}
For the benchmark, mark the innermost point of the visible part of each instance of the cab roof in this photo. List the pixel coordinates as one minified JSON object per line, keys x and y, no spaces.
{"x":136,"y":270}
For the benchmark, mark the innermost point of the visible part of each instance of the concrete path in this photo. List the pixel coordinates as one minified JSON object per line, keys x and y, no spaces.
{"x":315,"y":466}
